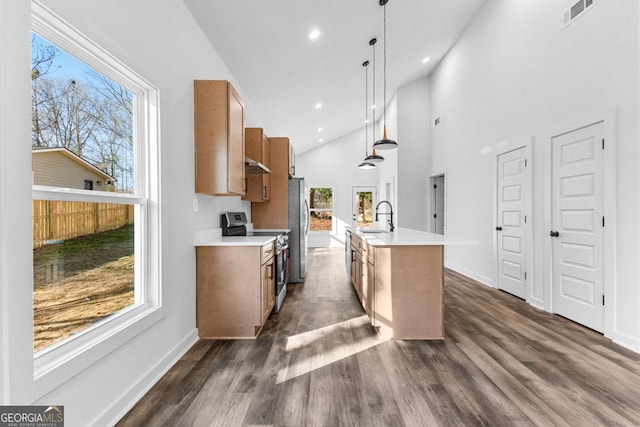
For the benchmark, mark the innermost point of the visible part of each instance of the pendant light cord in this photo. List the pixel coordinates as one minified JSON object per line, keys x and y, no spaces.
{"x":373,"y":46}
{"x":366,"y":107}
{"x":384,"y":71}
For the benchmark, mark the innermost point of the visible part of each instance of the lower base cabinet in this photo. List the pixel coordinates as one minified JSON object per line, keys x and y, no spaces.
{"x":235,"y":290}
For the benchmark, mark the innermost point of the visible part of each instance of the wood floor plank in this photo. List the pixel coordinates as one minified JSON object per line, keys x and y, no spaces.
{"x":319,"y":362}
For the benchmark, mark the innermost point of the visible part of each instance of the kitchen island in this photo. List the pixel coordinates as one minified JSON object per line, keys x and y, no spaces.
{"x":398,"y":277}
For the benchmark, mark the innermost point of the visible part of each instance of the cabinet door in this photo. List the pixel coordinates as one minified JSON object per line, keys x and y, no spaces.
{"x":236,"y":143}
{"x":257,"y":148}
{"x":268,"y":289}
{"x":219,"y":139}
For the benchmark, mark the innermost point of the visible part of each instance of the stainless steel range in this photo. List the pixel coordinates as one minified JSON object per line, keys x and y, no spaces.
{"x":282,"y":260}
{"x":235,"y":224}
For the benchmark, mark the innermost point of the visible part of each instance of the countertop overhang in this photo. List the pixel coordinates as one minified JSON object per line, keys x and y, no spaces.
{"x":407,"y":237}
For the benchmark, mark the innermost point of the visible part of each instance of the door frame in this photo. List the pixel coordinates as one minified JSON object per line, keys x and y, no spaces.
{"x":609,"y":199}
{"x":528,"y":203}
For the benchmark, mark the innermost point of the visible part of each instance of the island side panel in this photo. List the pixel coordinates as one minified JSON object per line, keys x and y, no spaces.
{"x":409,"y":292}
{"x":228,"y":291}
{"x":417,"y":292}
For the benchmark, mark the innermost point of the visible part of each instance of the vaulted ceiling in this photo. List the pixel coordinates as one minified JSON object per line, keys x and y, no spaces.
{"x":266,"y":46}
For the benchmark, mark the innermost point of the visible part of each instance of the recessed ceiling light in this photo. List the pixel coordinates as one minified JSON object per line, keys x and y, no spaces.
{"x":318,"y":105}
{"x":320,"y":129}
{"x":425,"y":60}
{"x":314,"y":34}
{"x":321,"y":140}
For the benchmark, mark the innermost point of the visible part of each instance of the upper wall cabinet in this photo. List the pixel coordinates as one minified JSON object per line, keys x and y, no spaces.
{"x":258,"y":181}
{"x":219,"y":139}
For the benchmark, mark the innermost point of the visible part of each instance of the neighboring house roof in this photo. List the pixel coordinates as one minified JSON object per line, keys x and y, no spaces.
{"x":70,"y":154}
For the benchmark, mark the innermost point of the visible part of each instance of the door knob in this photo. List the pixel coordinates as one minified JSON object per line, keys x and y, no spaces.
{"x":498,"y":228}
{"x":554,"y":233}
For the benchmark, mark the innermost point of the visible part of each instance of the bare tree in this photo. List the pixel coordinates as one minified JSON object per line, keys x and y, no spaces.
{"x":91,"y":116}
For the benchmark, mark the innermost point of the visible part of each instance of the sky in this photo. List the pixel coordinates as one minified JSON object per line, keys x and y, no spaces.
{"x":67,"y":66}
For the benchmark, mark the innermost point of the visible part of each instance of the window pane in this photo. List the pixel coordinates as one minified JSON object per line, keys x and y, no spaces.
{"x":82,"y":124}
{"x":321,"y":221}
{"x":364,"y":215}
{"x":83,"y":266}
{"x":321,"y":198}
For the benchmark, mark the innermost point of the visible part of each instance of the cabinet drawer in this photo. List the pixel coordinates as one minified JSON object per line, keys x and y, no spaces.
{"x":267,"y":252}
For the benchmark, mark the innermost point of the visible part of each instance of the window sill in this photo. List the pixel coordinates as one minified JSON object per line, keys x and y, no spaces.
{"x":60,"y":363}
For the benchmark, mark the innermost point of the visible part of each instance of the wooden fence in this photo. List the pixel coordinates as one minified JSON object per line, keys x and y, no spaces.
{"x":57,"y":220}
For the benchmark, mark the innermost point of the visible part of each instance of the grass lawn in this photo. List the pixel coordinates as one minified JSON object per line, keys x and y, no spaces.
{"x":79,"y":282}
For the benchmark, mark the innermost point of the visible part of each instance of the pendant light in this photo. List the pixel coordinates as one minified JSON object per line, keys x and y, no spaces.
{"x":385,"y":143}
{"x":366,"y":164}
{"x":373,"y":157}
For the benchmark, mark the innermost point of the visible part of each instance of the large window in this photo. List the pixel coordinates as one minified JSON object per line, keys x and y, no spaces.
{"x":321,"y":209}
{"x":95,"y":196}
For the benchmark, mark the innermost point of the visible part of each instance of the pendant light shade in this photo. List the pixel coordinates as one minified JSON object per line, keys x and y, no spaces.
{"x":366,"y":164}
{"x":374,"y":158}
{"x":385,"y":143}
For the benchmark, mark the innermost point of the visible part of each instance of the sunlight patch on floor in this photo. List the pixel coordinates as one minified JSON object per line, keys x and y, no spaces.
{"x":336,"y":352}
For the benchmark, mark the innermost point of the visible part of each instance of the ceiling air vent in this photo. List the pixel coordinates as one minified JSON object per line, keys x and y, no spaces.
{"x":576,"y":10}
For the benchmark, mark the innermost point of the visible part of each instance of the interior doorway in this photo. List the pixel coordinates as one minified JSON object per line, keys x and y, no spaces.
{"x":437,"y":204}
{"x":363,"y":202}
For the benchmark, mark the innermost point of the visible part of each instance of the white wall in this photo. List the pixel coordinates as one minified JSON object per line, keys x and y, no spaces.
{"x":163,"y":43}
{"x":414,"y":143}
{"x":514,"y":75}
{"x":335,"y":164}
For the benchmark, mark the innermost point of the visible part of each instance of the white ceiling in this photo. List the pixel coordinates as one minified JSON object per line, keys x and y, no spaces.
{"x":266,"y":46}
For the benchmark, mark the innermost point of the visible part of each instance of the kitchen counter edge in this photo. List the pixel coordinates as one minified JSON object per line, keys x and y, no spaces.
{"x":408,"y":237}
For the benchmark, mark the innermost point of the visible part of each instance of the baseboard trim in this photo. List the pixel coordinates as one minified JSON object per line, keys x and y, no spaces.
{"x":480,"y":279}
{"x":119,"y":409}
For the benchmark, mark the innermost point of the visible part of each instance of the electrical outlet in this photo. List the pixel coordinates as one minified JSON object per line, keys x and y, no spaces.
{"x":195,"y":204}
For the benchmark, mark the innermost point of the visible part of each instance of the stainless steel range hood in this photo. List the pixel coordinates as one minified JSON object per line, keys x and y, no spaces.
{"x":253,"y":167}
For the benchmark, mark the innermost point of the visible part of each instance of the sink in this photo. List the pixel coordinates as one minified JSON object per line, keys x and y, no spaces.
{"x":373,"y":230}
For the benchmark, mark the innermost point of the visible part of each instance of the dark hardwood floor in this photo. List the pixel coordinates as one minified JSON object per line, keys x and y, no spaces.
{"x":318,"y":362}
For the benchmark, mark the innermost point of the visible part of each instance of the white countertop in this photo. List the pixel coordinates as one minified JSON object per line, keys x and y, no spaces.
{"x":408,"y":237}
{"x":272,"y":230}
{"x":214,"y":237}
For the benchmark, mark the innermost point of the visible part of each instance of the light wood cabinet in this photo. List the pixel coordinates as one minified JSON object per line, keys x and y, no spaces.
{"x":235,"y":290}
{"x":257,"y":147}
{"x":357,"y":271}
{"x":219,"y":139}
{"x":268,"y":280}
{"x":275,"y":212}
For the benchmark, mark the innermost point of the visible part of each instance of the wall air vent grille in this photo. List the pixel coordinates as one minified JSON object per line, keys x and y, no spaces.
{"x":576,"y":10}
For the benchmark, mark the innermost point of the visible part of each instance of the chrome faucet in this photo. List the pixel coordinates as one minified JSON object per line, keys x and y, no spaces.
{"x":390,"y":213}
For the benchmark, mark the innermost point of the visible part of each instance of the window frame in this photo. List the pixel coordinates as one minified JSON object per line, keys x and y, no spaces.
{"x":61,"y":361}
{"x":332,"y":210}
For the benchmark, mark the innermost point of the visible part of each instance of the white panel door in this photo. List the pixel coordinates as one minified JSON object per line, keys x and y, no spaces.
{"x":577,"y":226}
{"x":511,"y":220}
